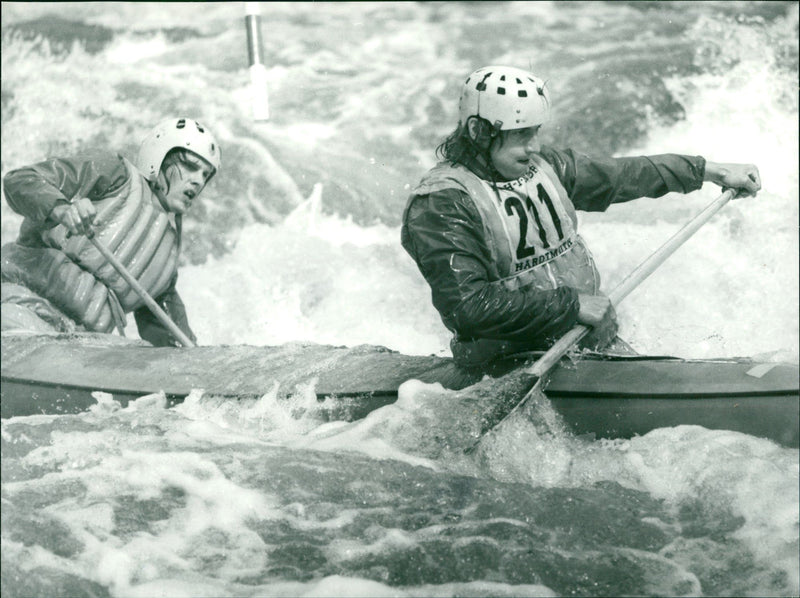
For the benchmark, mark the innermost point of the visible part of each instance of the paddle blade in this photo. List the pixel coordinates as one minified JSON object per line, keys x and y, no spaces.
{"x":497,"y":398}
{"x":502,"y":397}
{"x":533,"y":413}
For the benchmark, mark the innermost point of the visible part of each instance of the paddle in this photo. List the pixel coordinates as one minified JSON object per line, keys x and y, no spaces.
{"x":645,"y":269}
{"x":140,"y":290}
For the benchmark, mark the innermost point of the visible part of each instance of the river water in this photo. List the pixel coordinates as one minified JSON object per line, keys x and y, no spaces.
{"x":297,"y":240}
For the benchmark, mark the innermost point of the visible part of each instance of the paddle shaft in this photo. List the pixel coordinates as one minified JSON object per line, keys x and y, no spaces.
{"x":140,"y":290}
{"x":634,"y":279}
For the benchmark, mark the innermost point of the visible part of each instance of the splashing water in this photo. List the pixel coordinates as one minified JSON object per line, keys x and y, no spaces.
{"x":297,"y":239}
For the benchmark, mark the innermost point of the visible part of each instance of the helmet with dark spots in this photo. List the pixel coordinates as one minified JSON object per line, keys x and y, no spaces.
{"x":185,"y":133}
{"x":508,"y":97}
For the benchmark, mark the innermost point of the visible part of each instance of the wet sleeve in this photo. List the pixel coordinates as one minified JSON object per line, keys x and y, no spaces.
{"x":593,"y":184}
{"x":443,"y":233}
{"x":150,"y":327}
{"x":33,"y":191}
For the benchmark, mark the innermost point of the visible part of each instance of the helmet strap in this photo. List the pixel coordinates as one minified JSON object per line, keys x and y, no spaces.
{"x":158,"y":191}
{"x":480,"y":132}
{"x":482,"y":136}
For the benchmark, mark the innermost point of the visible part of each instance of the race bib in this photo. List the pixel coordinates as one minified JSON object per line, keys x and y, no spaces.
{"x":537,"y":224}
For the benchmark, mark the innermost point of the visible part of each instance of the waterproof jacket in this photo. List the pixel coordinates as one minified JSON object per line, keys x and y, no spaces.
{"x":138,"y":229}
{"x":445,"y":233}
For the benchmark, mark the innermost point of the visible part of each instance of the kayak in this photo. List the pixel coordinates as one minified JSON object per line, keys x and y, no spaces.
{"x":608,"y":396}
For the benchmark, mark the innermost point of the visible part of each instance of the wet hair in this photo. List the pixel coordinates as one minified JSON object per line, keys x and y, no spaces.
{"x":175,"y":157}
{"x":460,"y":148}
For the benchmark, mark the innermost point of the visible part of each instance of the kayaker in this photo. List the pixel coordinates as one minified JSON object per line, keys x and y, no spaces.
{"x":54,"y":279}
{"x":492,"y":227}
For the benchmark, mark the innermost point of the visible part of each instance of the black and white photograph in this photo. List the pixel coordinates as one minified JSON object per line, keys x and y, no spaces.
{"x":400,"y":299}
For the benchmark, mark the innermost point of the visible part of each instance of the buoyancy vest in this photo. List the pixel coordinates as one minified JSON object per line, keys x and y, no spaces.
{"x":529,"y":226}
{"x":72,"y":274}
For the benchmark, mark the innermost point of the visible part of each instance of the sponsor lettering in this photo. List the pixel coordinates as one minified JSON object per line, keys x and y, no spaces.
{"x":541,"y":259}
{"x":519,"y":182}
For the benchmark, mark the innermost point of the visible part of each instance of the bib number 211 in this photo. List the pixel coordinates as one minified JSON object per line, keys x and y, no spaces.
{"x":514,"y":204}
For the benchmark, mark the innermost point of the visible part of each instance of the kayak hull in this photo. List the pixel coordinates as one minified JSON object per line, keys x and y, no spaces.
{"x":762,"y":416}
{"x":604,"y":396}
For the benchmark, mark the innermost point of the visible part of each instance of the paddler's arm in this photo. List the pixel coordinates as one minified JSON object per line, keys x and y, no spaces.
{"x":593,"y":184}
{"x":443,"y":233}
{"x":34,"y":191}
{"x":153,"y":331}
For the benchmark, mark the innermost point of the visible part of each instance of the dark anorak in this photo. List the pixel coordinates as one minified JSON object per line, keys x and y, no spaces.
{"x":444,"y":234}
{"x":33,"y":191}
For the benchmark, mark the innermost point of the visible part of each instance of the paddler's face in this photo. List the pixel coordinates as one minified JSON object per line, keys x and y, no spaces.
{"x":182,"y":180}
{"x":512,"y":153}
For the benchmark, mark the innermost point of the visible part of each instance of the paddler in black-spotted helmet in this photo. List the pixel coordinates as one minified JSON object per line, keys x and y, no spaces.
{"x":493,"y":228}
{"x":55,"y":279}
{"x":178,"y":142}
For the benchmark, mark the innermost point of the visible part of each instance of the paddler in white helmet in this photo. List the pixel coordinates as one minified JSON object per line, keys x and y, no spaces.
{"x":54,"y":279}
{"x":493,"y":228}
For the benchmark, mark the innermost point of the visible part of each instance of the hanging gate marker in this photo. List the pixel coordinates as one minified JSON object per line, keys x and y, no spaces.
{"x":255,"y":57}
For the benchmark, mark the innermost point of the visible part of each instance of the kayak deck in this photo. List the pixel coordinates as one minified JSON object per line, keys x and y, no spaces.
{"x":608,"y":396}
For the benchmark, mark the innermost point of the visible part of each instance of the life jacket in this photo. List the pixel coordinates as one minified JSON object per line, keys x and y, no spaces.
{"x":530,"y":228}
{"x":529,"y":225}
{"x":72,"y":274}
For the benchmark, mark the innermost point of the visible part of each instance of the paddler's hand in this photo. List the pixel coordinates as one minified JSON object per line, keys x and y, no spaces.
{"x":77,"y":217}
{"x":745,"y":178}
{"x":596,"y":311}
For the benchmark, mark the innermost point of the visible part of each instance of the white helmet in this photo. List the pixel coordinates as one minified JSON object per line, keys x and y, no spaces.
{"x":185,"y":133}
{"x":508,"y":97}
